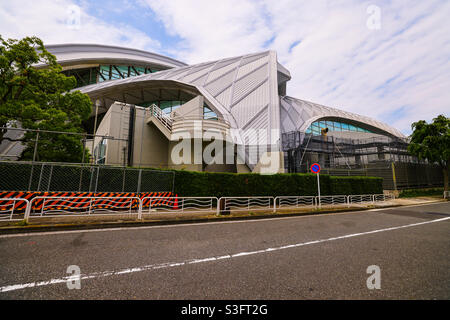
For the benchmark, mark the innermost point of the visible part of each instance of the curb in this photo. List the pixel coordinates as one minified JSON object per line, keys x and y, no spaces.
{"x":100,"y":225}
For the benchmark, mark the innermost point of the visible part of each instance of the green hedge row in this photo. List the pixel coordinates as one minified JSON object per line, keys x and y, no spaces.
{"x":410,"y":193}
{"x":198,"y":184}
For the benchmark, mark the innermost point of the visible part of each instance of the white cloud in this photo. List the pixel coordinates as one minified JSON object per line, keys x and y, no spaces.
{"x":53,"y":22}
{"x":398,"y":74}
{"x":212,"y":29}
{"x":334,"y":58}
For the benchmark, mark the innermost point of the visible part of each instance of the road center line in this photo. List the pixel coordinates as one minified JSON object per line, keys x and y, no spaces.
{"x":202,"y":260}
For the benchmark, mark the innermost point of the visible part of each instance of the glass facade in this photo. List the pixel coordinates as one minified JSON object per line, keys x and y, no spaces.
{"x":113,"y":72}
{"x":317,"y":126}
{"x":167,"y":106}
{"x":84,"y":76}
{"x":87,"y":76}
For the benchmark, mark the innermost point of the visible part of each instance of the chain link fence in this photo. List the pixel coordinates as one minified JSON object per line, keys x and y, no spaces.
{"x":45,"y":176}
{"x":396,"y":175}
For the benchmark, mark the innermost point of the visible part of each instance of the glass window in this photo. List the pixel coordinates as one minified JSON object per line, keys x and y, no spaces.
{"x":104,"y":71}
{"x":334,"y":126}
{"x":141,"y":70}
{"x":114,"y":74}
{"x":337,"y":126}
{"x":208,"y":113}
{"x":123,"y":70}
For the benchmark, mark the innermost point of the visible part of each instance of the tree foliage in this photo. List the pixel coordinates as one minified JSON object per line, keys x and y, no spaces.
{"x":36,"y":94}
{"x":431,"y":141}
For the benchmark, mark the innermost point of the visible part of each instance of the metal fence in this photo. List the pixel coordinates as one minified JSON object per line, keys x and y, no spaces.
{"x":45,"y":176}
{"x":10,"y":208}
{"x":178,"y":204}
{"x":377,"y":156}
{"x":65,"y":206}
{"x":228,"y":204}
{"x":396,"y":175}
{"x":48,"y":206}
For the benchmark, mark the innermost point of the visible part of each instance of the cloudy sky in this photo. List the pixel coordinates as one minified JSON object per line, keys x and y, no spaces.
{"x":389,"y":60}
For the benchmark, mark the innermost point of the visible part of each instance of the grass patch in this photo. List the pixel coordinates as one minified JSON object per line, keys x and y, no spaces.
{"x":22,"y":223}
{"x":411,"y":193}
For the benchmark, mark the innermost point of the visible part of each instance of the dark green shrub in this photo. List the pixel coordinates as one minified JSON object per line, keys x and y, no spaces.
{"x":191,"y":183}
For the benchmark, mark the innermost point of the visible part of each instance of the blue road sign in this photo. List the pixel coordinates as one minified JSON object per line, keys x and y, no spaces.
{"x":315,"y":168}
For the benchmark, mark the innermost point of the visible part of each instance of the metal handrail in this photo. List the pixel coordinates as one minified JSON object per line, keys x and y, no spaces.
{"x":177,"y":118}
{"x":165,"y":119}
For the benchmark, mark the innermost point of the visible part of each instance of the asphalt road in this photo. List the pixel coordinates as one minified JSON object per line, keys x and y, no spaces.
{"x":310,"y":257}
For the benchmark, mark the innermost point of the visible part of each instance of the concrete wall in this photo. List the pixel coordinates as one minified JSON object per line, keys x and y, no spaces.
{"x":192,"y":108}
{"x":151,"y":148}
{"x":115,"y":123}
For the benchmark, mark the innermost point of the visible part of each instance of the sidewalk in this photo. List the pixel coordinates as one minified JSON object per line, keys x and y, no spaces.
{"x":153,"y":218}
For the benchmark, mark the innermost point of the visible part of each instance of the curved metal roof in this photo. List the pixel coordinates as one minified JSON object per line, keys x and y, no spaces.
{"x":297,"y":115}
{"x":79,"y":54}
{"x":244,"y":90}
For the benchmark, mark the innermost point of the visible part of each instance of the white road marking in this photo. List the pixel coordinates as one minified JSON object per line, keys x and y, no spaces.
{"x":201,"y":223}
{"x":208,"y":259}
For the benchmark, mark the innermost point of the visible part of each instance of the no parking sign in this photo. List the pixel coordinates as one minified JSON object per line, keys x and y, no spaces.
{"x":315,"y":168}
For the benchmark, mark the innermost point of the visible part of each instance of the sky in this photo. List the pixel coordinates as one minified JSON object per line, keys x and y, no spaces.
{"x":389,"y":60}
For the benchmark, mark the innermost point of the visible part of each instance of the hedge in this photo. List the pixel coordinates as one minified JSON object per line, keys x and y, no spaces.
{"x":202,"y":184}
{"x":410,"y":193}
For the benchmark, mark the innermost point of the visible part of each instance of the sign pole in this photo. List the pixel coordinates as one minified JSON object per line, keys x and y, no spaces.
{"x":315,"y":167}
{"x":318,"y":187}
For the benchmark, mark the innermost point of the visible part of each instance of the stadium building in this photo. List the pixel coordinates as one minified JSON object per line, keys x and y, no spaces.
{"x":228,"y":115}
{"x":147,"y":103}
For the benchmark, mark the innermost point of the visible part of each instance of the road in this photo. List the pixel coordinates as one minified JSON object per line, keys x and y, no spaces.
{"x":310,"y":257}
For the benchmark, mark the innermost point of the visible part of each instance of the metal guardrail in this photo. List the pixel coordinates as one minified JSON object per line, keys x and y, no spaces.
{"x":331,"y":200}
{"x":10,"y":208}
{"x":246,"y":203}
{"x":45,"y":206}
{"x":60,"y":206}
{"x":178,"y":204}
{"x":294,"y":201}
{"x":361,"y":198}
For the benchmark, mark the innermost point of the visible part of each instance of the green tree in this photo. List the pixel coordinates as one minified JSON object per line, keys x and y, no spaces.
{"x":431,"y":141}
{"x":35,"y":94}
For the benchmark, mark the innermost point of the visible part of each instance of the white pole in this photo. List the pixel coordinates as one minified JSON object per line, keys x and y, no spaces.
{"x":318,"y":188}
{"x":97,"y":102}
